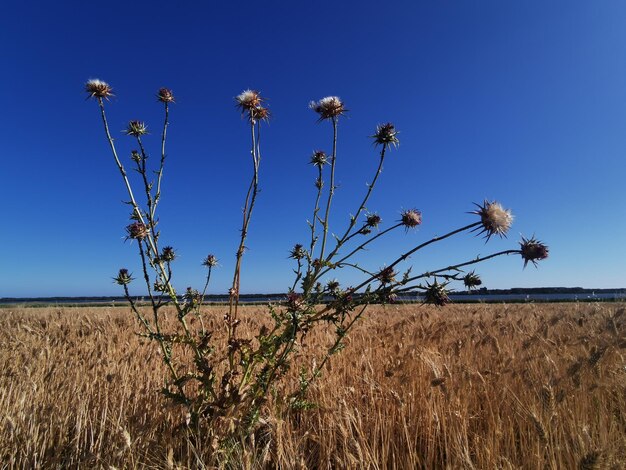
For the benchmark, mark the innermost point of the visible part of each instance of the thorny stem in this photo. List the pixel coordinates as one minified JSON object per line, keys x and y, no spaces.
{"x":157,"y":196}
{"x":247,"y":213}
{"x":331,"y":190}
{"x":454,"y":267}
{"x":401,"y":258}
{"x":150,"y":242}
{"x":355,"y":218}
{"x":361,"y":247}
{"x":320,"y":186}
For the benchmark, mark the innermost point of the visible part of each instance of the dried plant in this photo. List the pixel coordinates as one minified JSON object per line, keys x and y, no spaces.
{"x":223,"y":384}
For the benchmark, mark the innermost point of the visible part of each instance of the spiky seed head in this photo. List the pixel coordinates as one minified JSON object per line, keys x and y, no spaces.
{"x":319,"y":158}
{"x":437,"y":294}
{"x":386,"y":134}
{"x":411,"y":218}
{"x":165,"y":95}
{"x":168,"y":254}
{"x":136,"y":128}
{"x":210,"y":261}
{"x":98,"y":89}
{"x":386,"y":275}
{"x":372,"y":220}
{"x":248,"y":100}
{"x":494,"y":218}
{"x":333,"y":286}
{"x":259,"y":113}
{"x":472,"y":280}
{"x":137,"y":231}
{"x":123,"y":277}
{"x":135,"y":156}
{"x":533,"y":250}
{"x":297,"y":252}
{"x":328,"y":107}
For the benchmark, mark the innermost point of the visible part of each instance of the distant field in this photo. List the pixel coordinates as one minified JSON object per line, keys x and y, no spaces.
{"x":470,"y":386}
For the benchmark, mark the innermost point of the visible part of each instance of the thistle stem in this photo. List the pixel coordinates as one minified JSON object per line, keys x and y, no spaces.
{"x":355,"y":218}
{"x":331,"y":190}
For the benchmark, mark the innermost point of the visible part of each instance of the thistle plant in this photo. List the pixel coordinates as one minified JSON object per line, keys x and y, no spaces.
{"x":224,"y":384}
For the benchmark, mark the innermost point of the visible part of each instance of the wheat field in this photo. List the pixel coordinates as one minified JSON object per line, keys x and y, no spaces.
{"x":520,"y":386}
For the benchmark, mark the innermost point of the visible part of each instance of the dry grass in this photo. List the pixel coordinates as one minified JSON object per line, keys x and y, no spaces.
{"x":470,"y":386}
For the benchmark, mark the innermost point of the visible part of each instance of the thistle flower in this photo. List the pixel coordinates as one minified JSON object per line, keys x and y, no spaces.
{"x":436,"y":294}
{"x":319,"y":158}
{"x":533,"y":250}
{"x":297,"y":252}
{"x":472,"y":280}
{"x":411,"y":218}
{"x":168,"y":254}
{"x":123,"y":277}
{"x":248,"y":100}
{"x":386,"y":134}
{"x":137,"y":230}
{"x":328,"y":108}
{"x":165,"y":95}
{"x":494,"y":218}
{"x":98,"y":89}
{"x":136,"y":128}
{"x":386,"y":275}
{"x":372,"y":220}
{"x":210,"y":261}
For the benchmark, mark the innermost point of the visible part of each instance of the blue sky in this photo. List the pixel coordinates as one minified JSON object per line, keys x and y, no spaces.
{"x":521,"y":102}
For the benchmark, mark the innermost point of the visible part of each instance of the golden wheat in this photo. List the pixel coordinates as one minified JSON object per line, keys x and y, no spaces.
{"x":469,"y":386}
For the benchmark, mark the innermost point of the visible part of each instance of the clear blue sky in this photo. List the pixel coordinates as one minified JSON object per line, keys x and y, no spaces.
{"x":523,"y":102}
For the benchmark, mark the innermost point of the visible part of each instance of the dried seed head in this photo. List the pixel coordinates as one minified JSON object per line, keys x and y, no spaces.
{"x":471,"y":280}
{"x":328,"y":108}
{"x":165,"y":95}
{"x":210,"y":261}
{"x":494,"y":218}
{"x":386,"y":134}
{"x":297,"y":252}
{"x":333,"y":286}
{"x":123,"y":277}
{"x":248,"y":100}
{"x":533,"y":250}
{"x":98,"y":89}
{"x":259,"y":114}
{"x":135,"y":156}
{"x":319,"y":158}
{"x":136,"y":128}
{"x":436,"y":294}
{"x":168,"y":254}
{"x":411,"y":218}
{"x":137,"y":230}
{"x":372,"y":220}
{"x":386,"y":275}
